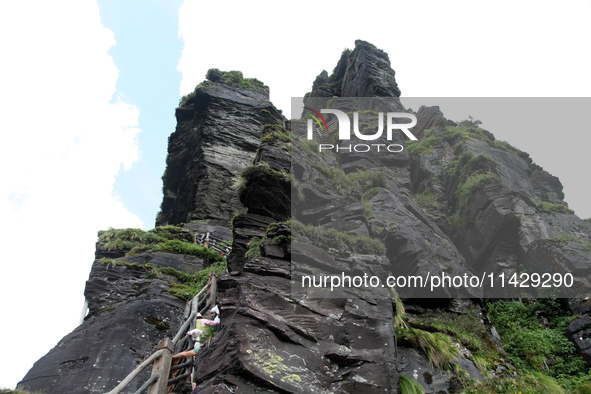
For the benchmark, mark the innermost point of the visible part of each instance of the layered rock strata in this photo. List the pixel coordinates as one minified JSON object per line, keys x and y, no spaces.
{"x":455,"y":201}
{"x":217,"y":134}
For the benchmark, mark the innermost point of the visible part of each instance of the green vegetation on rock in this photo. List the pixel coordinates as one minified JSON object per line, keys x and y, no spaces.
{"x":342,"y":182}
{"x":331,"y":238}
{"x":365,"y":197}
{"x":399,"y":311}
{"x":188,"y":99}
{"x":549,"y":207}
{"x":565,"y":238}
{"x":273,"y":132}
{"x":534,"y":338}
{"x":465,"y":328}
{"x":423,"y":145}
{"x":469,"y":173}
{"x":307,"y":147}
{"x":469,"y":129}
{"x":168,"y":239}
{"x":533,"y":383}
{"x":232,"y":78}
{"x":128,"y":238}
{"x":410,"y":386}
{"x":436,"y":346}
{"x":455,"y":136}
{"x":254,"y":247}
{"x":190,"y":284}
{"x":539,"y":357}
{"x":264,"y":174}
{"x":173,"y":246}
{"x":426,"y":200}
{"x":235,"y":78}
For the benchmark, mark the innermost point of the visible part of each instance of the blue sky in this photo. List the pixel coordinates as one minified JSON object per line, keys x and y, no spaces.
{"x":146,"y":55}
{"x":89,"y":90}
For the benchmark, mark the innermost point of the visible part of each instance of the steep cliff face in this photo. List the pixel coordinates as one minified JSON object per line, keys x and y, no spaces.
{"x":140,"y":281}
{"x":504,"y":213}
{"x":363,"y":72}
{"x":218,"y":131}
{"x":270,"y":340}
{"x":455,"y":201}
{"x":129,"y":312}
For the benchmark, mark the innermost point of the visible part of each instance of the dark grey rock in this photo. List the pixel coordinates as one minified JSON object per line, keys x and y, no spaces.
{"x":273,"y":339}
{"x":414,"y":365}
{"x":128,"y":316}
{"x":216,"y":137}
{"x":579,"y":332}
{"x":269,"y":341}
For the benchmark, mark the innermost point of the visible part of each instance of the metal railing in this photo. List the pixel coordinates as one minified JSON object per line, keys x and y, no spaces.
{"x":218,"y":244}
{"x":162,"y":358}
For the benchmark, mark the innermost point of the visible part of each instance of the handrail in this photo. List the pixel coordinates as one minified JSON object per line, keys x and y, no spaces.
{"x":162,"y":358}
{"x":207,"y":301}
{"x":148,"y":382}
{"x":183,"y":365}
{"x":180,"y":377}
{"x":194,"y":305}
{"x":136,"y":371}
{"x":218,"y":244}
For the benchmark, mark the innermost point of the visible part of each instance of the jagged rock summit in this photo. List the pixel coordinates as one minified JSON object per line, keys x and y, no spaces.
{"x":453,"y":201}
{"x":140,"y":281}
{"x":362,"y":72}
{"x":218,"y":131}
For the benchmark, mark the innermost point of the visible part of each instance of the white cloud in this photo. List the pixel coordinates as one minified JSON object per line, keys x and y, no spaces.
{"x":63,"y":142}
{"x":438,"y":49}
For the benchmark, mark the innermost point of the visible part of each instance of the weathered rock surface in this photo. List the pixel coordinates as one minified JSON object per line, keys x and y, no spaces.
{"x":363,"y":72}
{"x":580,"y":333}
{"x":510,"y":222}
{"x":218,"y":131}
{"x":421,"y":204}
{"x":128,"y":316}
{"x":270,"y":340}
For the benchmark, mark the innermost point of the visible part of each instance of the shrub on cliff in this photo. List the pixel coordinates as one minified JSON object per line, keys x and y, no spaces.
{"x":331,"y":238}
{"x":235,"y":78}
{"x":275,"y":132}
{"x":549,"y":207}
{"x":189,"y":284}
{"x":129,"y":238}
{"x":265,"y":191}
{"x":436,"y":346}
{"x":468,"y":174}
{"x":533,"y":337}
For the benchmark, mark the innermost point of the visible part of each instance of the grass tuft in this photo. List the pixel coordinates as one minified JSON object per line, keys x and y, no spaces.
{"x":436,"y":346}
{"x":331,"y":238}
{"x":549,"y":207}
{"x":410,"y":386}
{"x":533,"y":337}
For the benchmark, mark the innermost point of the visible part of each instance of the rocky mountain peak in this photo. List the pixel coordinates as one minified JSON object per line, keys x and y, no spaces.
{"x":454,"y":201}
{"x":218,"y":131}
{"x":364,"y":71}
